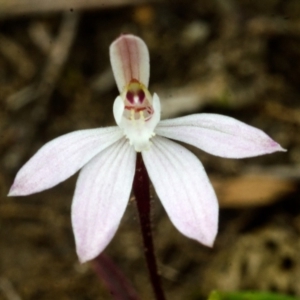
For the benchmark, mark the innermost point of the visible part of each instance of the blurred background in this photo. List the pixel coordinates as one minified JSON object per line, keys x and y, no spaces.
{"x":238,"y":58}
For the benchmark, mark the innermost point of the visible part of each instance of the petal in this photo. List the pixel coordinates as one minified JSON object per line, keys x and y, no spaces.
{"x":219,"y":135}
{"x":129,"y":59}
{"x":118,"y":109}
{"x":184,"y":189}
{"x":61,"y":158}
{"x":101,"y":196}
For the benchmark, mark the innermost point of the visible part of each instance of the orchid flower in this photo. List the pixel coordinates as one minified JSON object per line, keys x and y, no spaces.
{"x":107,"y":158}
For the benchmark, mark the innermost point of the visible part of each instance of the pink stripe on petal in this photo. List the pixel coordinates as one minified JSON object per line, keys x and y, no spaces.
{"x":219,"y":135}
{"x":101,"y":196}
{"x":61,"y":158}
{"x":129,"y":58}
{"x":184,"y":189}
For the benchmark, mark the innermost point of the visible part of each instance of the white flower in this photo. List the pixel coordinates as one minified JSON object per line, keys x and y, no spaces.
{"x":107,"y":157}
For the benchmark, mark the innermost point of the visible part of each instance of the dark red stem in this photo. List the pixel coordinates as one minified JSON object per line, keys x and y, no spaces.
{"x":113,"y":278}
{"x":142,"y":195}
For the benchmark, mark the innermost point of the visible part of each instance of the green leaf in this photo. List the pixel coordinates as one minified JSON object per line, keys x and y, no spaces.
{"x":216,"y":295}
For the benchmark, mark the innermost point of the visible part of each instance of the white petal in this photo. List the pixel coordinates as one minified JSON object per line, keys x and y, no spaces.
{"x":101,"y":196}
{"x":118,"y":109}
{"x":184,"y":189}
{"x":219,"y":135}
{"x":129,"y":59}
{"x":61,"y":158}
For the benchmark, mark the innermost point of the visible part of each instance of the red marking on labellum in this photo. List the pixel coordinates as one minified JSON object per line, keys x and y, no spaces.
{"x":135,"y":93}
{"x":141,"y":95}
{"x":136,"y":109}
{"x":130,"y":97}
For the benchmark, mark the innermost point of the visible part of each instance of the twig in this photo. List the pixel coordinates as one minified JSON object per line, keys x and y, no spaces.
{"x":17,"y":56}
{"x":58,"y":55}
{"x":41,"y":36}
{"x":23,"y":7}
{"x":269,"y":26}
{"x":8,"y":290}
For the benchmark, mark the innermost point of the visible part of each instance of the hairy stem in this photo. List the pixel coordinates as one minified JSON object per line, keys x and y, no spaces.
{"x":142,"y":196}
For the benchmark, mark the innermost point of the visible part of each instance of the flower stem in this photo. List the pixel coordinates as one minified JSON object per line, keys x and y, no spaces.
{"x":142,"y":196}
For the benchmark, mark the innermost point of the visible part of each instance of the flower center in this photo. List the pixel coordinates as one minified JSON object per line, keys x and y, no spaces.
{"x":137,"y":102}
{"x":137,"y":113}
